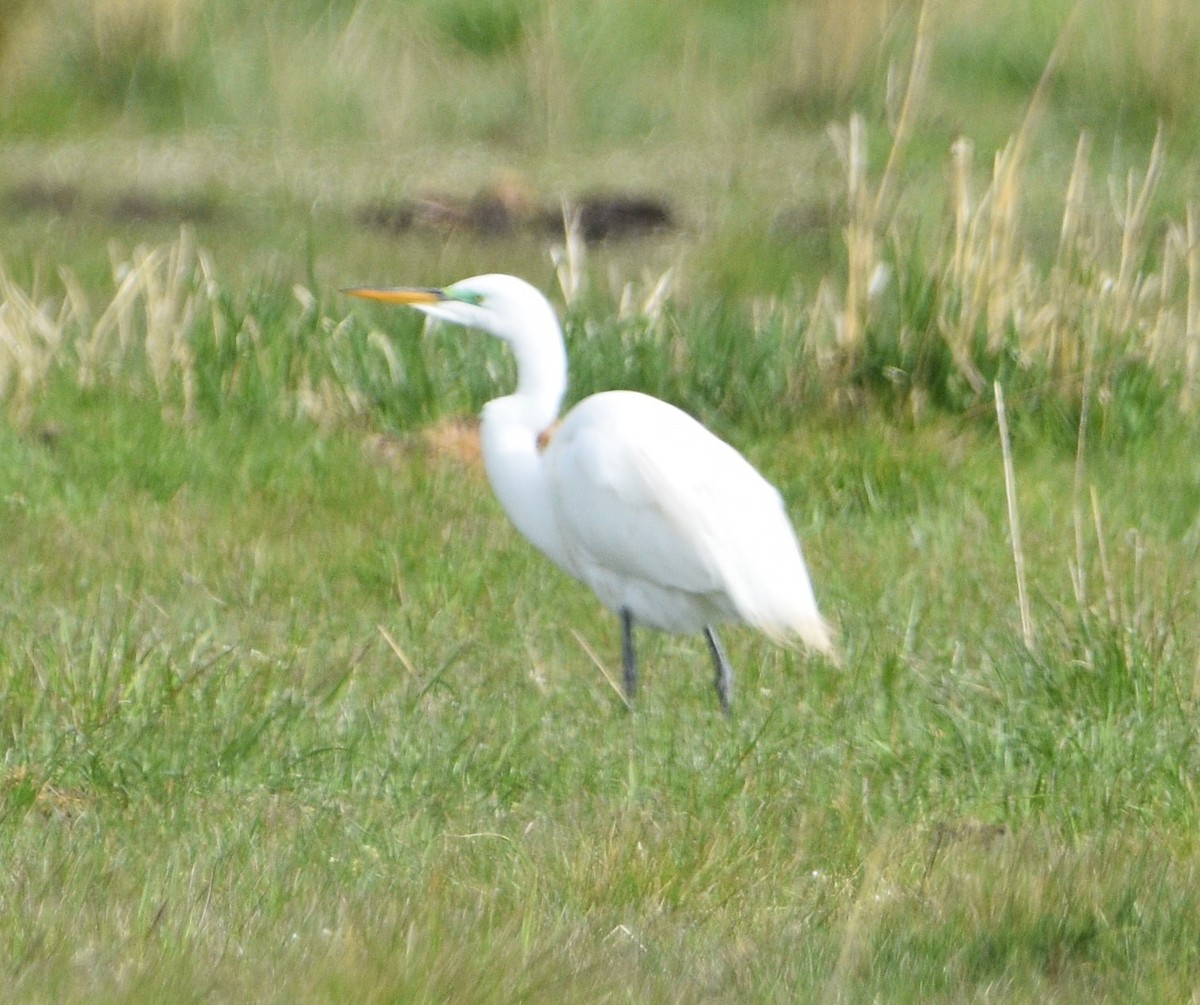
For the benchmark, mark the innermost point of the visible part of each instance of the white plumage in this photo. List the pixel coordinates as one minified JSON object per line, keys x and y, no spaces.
{"x":668,"y":524}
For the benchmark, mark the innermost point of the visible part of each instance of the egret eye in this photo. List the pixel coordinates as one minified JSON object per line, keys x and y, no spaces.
{"x":469,"y":297}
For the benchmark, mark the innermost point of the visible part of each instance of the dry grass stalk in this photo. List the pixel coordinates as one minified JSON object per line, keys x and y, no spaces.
{"x":1075,"y":203}
{"x":988,"y":279}
{"x":160,"y":293}
{"x":1014,"y":518}
{"x":1061,"y":331}
{"x":870,"y":215}
{"x":957,"y":331}
{"x":993,"y":298}
{"x":570,"y":258}
{"x":1133,"y":217}
{"x":169,"y":301}
{"x":862,"y":240}
{"x":654,"y":301}
{"x":1192,"y":319}
{"x":918,"y":77}
{"x":32,"y":337}
{"x":1126,"y":294}
{"x":990,"y":282}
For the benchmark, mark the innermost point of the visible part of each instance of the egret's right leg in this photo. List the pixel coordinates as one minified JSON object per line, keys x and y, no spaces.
{"x":724,"y":672}
{"x":628,"y":657}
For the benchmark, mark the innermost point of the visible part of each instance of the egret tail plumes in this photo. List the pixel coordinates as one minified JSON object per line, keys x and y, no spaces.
{"x":670,"y":526}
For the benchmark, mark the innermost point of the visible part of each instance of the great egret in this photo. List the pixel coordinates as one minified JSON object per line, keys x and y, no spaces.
{"x":669,"y":525}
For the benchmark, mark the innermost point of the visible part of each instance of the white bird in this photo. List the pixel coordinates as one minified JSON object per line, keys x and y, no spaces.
{"x":669,"y":525}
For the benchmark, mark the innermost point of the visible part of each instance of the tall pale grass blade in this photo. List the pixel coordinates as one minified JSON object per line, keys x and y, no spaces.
{"x":1014,"y":518}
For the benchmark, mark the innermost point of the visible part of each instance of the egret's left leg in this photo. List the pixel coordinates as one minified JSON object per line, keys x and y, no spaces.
{"x":724,"y":678}
{"x":628,"y":656}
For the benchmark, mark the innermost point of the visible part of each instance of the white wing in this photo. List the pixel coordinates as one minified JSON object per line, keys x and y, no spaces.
{"x":662,"y":516}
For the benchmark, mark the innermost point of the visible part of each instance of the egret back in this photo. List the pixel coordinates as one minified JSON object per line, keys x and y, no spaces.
{"x":664,"y":518}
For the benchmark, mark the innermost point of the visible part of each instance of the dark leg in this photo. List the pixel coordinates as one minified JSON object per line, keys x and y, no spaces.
{"x":724,"y":678}
{"x":628,"y":658}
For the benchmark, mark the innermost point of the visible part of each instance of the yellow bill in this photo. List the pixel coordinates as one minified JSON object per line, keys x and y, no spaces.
{"x":397,"y":294}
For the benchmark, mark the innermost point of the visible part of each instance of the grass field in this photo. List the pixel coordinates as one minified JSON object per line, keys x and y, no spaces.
{"x":290,"y":713}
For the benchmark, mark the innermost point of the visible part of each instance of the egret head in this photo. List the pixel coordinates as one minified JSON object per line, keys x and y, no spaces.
{"x":504,"y":306}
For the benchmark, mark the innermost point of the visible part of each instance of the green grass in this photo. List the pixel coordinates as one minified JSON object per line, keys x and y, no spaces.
{"x":288,"y":712}
{"x":222,"y":781}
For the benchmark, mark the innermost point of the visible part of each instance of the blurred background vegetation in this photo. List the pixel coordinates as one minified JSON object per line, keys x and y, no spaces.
{"x":932,"y":195}
{"x":279,"y":124}
{"x":531,"y":76}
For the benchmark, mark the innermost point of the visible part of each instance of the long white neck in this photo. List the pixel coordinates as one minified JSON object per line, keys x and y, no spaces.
{"x":541,"y":367}
{"x":509,"y":433}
